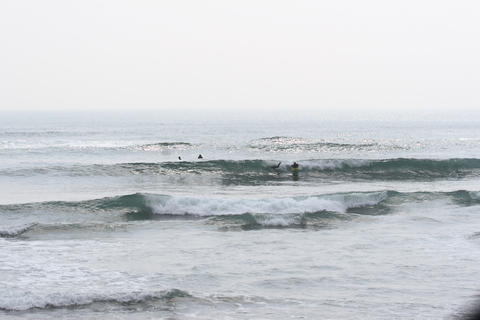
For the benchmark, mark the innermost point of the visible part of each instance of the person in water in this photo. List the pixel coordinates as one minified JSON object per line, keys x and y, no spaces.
{"x":294,"y":165}
{"x":277,"y":166}
{"x":200,"y":156}
{"x":179,"y":158}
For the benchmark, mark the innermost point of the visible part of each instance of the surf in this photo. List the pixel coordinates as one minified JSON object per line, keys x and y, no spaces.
{"x":257,"y":171}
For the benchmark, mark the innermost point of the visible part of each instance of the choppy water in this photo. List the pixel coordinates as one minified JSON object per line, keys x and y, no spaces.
{"x":99,"y":218}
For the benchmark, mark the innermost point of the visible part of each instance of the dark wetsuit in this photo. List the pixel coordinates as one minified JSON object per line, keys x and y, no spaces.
{"x":276,"y":167}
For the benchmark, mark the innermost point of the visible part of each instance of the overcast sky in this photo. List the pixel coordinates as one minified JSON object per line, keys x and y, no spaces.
{"x":239,"y":54}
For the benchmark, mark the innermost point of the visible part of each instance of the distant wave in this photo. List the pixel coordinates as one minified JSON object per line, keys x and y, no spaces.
{"x":85,"y":146}
{"x":277,"y":138}
{"x":247,"y":212}
{"x":293,"y":144}
{"x":246,"y":172}
{"x":162,"y":146}
{"x":43,"y":133}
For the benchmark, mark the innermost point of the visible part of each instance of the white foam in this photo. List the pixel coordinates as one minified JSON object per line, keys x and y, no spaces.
{"x":15,"y":300}
{"x":13,"y":231}
{"x":475,"y":195}
{"x":331,"y":164}
{"x":40,"y":274}
{"x":233,"y":206}
{"x":272,"y":220}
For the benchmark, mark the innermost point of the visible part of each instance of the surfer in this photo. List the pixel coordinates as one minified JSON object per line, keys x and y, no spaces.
{"x":294,"y":167}
{"x":179,"y":158}
{"x":200,"y":156}
{"x":277,"y":166}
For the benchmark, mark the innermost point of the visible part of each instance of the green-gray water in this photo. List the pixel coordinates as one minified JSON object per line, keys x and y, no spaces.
{"x":100,"y":219}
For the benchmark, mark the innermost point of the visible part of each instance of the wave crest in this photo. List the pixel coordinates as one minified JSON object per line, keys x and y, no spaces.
{"x":293,"y":144}
{"x":266,"y":212}
{"x":253,"y":172}
{"x":225,"y":206}
{"x":161,"y":146}
{"x":15,"y":231}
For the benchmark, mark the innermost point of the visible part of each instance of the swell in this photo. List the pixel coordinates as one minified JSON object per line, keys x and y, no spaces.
{"x":210,"y":206}
{"x":162,"y":146}
{"x":248,"y":213}
{"x":246,"y":172}
{"x":86,"y":146}
{"x":394,"y":169}
{"x":288,"y":144}
{"x":278,"y":144}
{"x":46,"y":133}
{"x":207,"y":206}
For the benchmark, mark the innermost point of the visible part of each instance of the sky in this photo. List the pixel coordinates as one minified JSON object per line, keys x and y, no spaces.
{"x":239,"y":55}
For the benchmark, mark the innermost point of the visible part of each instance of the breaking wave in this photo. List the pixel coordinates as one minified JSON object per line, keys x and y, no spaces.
{"x":197,"y":206}
{"x":14,"y":231}
{"x":225,"y":206}
{"x":250,"y":213}
{"x":246,"y":172}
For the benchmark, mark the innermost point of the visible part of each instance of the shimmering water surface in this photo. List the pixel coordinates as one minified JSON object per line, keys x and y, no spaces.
{"x":100,"y":219}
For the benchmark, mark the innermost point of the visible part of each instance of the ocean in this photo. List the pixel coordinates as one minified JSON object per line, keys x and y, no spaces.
{"x":101,"y":219}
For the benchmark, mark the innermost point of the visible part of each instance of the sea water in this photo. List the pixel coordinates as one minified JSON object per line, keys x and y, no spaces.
{"x":100,"y":219}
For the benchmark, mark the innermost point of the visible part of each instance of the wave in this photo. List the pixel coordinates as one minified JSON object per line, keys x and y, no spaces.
{"x":245,"y":212}
{"x":395,"y":169}
{"x":67,"y":301}
{"x":84,"y":229}
{"x":294,"y":144}
{"x":15,"y":231}
{"x":246,"y":172}
{"x":89,"y":146}
{"x":197,"y":206}
{"x":397,"y":165}
{"x":46,"y":133}
{"x":227,"y":206}
{"x":142,"y":299}
{"x":161,"y":146}
{"x":157,"y":204}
